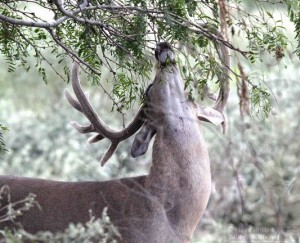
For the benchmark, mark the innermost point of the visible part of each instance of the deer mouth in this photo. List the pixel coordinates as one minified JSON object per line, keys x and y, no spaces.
{"x":164,"y":54}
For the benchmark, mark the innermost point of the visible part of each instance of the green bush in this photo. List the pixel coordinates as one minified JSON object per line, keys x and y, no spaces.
{"x":255,"y":167}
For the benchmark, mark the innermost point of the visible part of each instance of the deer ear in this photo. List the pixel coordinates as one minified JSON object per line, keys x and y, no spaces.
{"x":141,"y":141}
{"x":209,"y":114}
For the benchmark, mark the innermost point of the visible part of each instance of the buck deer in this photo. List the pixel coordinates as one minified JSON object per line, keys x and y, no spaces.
{"x":163,"y":206}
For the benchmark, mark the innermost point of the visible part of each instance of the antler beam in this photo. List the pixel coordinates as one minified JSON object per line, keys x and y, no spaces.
{"x":97,"y":125}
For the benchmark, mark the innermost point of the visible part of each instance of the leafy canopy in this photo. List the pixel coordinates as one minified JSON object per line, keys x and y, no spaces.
{"x":118,"y":36}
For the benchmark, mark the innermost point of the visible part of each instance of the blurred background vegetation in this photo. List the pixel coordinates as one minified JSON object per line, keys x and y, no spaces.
{"x":255,"y":166}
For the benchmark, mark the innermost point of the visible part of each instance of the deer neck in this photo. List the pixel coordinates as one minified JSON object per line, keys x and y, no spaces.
{"x":180,"y":173}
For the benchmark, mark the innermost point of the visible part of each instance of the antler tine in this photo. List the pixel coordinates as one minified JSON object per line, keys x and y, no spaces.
{"x":73,"y":102}
{"x":97,"y":125}
{"x":215,"y":114}
{"x":83,"y":129}
{"x":109,"y":152}
{"x":96,"y":138}
{"x":224,"y":80}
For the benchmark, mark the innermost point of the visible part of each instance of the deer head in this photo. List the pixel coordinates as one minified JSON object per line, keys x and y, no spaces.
{"x":143,"y":120}
{"x":165,"y":56}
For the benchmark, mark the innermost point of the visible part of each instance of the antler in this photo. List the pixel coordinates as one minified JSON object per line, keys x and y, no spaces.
{"x":215,"y":114}
{"x":224,"y":81}
{"x":96,"y":125}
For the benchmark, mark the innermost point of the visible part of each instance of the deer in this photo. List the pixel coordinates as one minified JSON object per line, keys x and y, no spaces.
{"x":164,"y":206}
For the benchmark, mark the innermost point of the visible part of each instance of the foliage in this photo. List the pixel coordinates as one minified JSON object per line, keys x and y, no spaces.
{"x":119,"y":36}
{"x":256,"y":168}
